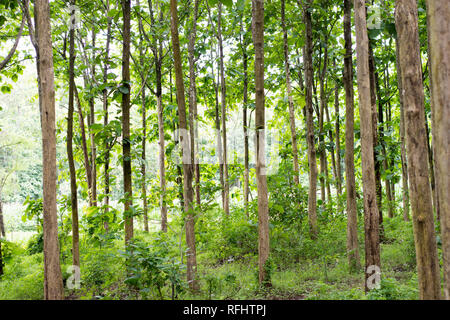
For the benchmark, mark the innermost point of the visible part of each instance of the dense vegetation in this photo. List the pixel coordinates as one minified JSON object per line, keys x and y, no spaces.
{"x":220,"y":149}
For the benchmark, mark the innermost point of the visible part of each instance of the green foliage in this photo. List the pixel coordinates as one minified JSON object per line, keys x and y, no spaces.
{"x":391,"y":289}
{"x":36,"y":244}
{"x":151,"y":271}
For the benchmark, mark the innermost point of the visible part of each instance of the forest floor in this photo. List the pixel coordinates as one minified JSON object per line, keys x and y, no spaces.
{"x":300,"y":269}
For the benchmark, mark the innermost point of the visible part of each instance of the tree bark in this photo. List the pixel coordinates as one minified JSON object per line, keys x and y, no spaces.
{"x":84,"y":148}
{"x":126,"y":145}
{"x":312,"y":193}
{"x":406,"y":20}
{"x":105,"y":117}
{"x":371,"y":219}
{"x":53,"y":284}
{"x":289,"y":95}
{"x":223,"y":95}
{"x":73,"y":178}
{"x":187,"y":167}
{"x":144,"y":121}
{"x":405,"y":188}
{"x":193,"y":102}
{"x":244,"y":120}
{"x":261,"y":179}
{"x":438,"y":12}
{"x":350,"y":184}
{"x":373,"y":100}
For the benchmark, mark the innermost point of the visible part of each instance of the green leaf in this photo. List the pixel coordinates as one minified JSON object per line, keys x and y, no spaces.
{"x":228,"y":3}
{"x":124,"y":89}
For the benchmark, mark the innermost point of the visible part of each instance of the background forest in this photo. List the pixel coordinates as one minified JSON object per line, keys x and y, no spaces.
{"x":224,"y":149}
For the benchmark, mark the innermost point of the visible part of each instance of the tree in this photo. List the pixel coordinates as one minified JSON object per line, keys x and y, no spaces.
{"x":261,"y":179}
{"x":223,"y":95}
{"x":107,"y":145}
{"x":73,"y":178}
{"x":371,"y":220}
{"x":193,"y":121}
{"x":126,"y":144}
{"x":405,"y":193}
{"x":53,"y":285}
{"x":312,"y":192}
{"x":289,"y":94}
{"x":439,"y":35}
{"x":185,"y":143}
{"x":406,"y":21}
{"x":352,"y":214}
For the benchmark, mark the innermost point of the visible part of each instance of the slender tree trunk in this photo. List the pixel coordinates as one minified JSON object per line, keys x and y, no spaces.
{"x":381,"y":143}
{"x":217,"y":120}
{"x":406,"y":19}
{"x":350,"y":184}
{"x":261,"y":179}
{"x":157,"y":52}
{"x":244,"y":120}
{"x":105,"y":117}
{"x":92,"y":135}
{"x":73,"y":178}
{"x":2,"y":234}
{"x":438,"y":12}
{"x":193,"y":102}
{"x":337,"y":131}
{"x":187,"y":167}
{"x":127,"y":183}
{"x":405,"y":188}
{"x":2,"y":224}
{"x":143,"y":165}
{"x":53,"y":284}
{"x":144,"y":124}
{"x":373,"y":100}
{"x":87,"y":164}
{"x":323,"y":103}
{"x":289,"y":94}
{"x":312,"y":193}
{"x":333,"y":159}
{"x":371,"y":219}
{"x":223,"y":95}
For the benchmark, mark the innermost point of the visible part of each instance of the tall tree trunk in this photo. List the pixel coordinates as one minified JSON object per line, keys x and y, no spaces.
{"x":91,"y":121}
{"x":337,"y":131}
{"x":187,"y":167}
{"x":53,"y":284}
{"x":289,"y":94}
{"x":312,"y":193}
{"x":405,"y":188}
{"x":157,"y":53}
{"x":143,"y":156}
{"x":193,"y":102}
{"x":105,"y":116}
{"x":126,"y":145}
{"x":333,"y":159}
{"x":223,"y":95}
{"x":244,"y":120}
{"x":406,"y":20}
{"x":371,"y":219}
{"x":323,"y":103}
{"x":217,"y":118}
{"x":2,"y":234}
{"x":350,"y":184}
{"x":73,"y":177}
{"x":144,"y":122}
{"x":373,"y":101}
{"x":87,"y":164}
{"x":261,"y":179}
{"x":438,"y":12}
{"x":381,"y":143}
